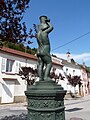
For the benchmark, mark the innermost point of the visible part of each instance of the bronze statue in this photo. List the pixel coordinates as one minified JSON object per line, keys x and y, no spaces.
{"x":43,"y":52}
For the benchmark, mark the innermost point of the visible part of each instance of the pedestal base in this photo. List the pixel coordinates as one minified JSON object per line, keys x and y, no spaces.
{"x":45,"y":101}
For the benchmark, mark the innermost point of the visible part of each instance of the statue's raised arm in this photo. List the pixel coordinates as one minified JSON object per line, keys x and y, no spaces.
{"x":49,"y":28}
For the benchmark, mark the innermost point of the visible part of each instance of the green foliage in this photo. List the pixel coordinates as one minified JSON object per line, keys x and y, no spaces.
{"x":33,"y":51}
{"x":72,"y":61}
{"x":30,"y":51}
{"x":13,"y":33}
{"x":88,"y":69}
{"x":20,"y":47}
{"x":11,"y":15}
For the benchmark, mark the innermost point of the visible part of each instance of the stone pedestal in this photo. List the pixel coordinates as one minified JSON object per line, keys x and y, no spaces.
{"x":45,"y":101}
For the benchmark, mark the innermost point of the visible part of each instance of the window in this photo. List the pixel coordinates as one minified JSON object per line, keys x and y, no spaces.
{"x":73,"y":72}
{"x":66,"y":71}
{"x":9,"y":65}
{"x":3,"y":68}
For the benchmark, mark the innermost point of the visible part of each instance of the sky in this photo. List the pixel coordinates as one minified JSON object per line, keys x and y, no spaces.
{"x":71,"y":22}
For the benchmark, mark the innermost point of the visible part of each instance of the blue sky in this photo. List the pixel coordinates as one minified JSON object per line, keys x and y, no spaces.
{"x":71,"y":19}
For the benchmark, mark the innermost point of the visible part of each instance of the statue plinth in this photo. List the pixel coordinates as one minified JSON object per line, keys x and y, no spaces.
{"x":45,"y":101}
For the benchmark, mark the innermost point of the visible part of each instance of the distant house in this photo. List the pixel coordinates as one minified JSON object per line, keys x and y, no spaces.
{"x":88,"y":75}
{"x":85,"y":81}
{"x":72,"y":70}
{"x":70,"y":67}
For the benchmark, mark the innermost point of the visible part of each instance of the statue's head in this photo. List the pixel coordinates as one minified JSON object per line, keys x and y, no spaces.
{"x":44,"y":18}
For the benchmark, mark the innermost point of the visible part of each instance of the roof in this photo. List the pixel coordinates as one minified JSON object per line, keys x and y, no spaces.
{"x":69,"y":64}
{"x":18,"y":53}
{"x":22,"y":54}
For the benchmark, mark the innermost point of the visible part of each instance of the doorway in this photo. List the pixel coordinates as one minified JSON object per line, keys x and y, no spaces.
{"x":8,"y":91}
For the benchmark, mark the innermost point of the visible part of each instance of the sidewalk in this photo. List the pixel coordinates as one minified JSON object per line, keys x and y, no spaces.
{"x":74,"y":108}
{"x":78,"y":108}
{"x":12,"y":109}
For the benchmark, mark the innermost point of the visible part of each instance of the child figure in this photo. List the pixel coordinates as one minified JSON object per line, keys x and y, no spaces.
{"x":43,"y":52}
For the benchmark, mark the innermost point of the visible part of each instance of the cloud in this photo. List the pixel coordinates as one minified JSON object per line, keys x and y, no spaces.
{"x":83,"y":57}
{"x":80,"y":58}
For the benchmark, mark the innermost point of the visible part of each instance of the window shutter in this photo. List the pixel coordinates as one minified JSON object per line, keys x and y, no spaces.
{"x":3,"y":68}
{"x":18,"y":65}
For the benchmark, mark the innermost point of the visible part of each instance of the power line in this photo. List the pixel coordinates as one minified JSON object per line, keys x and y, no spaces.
{"x":71,"y":41}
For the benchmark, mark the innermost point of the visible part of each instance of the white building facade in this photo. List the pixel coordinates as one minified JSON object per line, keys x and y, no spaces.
{"x":73,"y":70}
{"x":12,"y":86}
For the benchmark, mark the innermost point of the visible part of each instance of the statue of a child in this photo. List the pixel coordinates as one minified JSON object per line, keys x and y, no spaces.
{"x":43,"y":52}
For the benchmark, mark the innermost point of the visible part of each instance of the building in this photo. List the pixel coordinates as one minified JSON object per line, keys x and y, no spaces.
{"x":88,"y":74}
{"x":84,"y":88}
{"x":72,"y":70}
{"x":70,"y":67}
{"x":12,"y":86}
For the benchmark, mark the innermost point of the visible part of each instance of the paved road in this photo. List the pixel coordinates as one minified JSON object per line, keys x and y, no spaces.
{"x":78,"y":108}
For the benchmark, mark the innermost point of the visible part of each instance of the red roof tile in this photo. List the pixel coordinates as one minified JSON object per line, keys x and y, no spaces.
{"x":22,"y":54}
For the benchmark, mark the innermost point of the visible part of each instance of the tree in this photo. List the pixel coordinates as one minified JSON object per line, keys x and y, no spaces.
{"x":55,"y":76}
{"x":88,"y":69}
{"x":30,"y":75}
{"x":73,"y":80}
{"x":11,"y":28}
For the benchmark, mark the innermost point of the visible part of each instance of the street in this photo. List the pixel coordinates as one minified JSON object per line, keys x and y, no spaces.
{"x":74,"y":108}
{"x":78,"y":108}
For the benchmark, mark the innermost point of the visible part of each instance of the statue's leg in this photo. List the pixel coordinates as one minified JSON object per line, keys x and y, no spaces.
{"x":47,"y":71}
{"x":47,"y":60}
{"x":40,"y":69}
